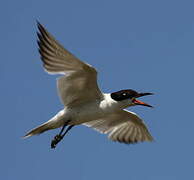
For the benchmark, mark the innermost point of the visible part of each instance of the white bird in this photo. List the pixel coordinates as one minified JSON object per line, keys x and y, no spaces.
{"x":83,"y":101}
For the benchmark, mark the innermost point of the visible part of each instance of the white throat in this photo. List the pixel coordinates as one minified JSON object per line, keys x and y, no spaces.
{"x":109,"y":103}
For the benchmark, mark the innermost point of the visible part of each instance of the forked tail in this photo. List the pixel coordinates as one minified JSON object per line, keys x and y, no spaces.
{"x":57,"y":121}
{"x":38,"y":130}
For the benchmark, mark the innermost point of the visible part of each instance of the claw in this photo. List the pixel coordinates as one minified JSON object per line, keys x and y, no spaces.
{"x":58,"y":137}
{"x":55,"y":141}
{"x":53,"y":144}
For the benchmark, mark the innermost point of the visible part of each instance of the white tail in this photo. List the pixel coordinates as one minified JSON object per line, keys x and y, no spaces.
{"x":56,"y":122}
{"x":38,"y":130}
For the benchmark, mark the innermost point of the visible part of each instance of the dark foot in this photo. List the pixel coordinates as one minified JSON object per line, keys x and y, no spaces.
{"x":56,"y":140}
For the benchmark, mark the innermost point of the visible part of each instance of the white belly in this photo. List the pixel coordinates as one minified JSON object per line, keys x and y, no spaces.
{"x":88,"y":112}
{"x":84,"y":114}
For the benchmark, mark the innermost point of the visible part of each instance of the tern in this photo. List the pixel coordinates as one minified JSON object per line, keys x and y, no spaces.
{"x":84,"y":103}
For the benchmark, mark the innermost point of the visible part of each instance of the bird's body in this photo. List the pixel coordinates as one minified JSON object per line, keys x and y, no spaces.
{"x":83,"y":101}
{"x":90,"y":111}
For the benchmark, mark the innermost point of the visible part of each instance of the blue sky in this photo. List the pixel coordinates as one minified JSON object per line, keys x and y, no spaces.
{"x":142,"y":45}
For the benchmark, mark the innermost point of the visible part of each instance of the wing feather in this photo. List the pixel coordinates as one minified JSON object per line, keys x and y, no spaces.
{"x":80,"y":81}
{"x":122,"y":126}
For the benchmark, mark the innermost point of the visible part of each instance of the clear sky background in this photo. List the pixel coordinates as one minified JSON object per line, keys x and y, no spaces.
{"x":147,"y":46}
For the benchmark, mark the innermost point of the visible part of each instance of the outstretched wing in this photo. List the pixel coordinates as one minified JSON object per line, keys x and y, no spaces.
{"x":79,"y":83}
{"x":122,"y":126}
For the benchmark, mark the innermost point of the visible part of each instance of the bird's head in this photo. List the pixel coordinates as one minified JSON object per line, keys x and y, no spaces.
{"x":129,"y":96}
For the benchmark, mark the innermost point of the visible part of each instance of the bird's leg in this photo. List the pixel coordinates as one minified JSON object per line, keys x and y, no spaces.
{"x":67,"y":130}
{"x":58,"y":137}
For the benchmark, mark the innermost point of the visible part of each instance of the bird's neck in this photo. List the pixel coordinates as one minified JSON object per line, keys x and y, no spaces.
{"x":110,"y":103}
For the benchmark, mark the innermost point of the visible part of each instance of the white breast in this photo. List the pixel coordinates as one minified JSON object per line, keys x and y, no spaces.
{"x":94,"y":110}
{"x":88,"y":111}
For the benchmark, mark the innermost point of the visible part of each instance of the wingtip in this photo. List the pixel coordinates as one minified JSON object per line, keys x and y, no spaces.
{"x":37,"y":22}
{"x":40,"y":26}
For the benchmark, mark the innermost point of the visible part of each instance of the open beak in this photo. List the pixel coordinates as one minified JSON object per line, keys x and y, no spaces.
{"x":138,"y":102}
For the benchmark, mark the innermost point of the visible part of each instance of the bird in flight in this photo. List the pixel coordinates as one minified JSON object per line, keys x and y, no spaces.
{"x":84,"y":103}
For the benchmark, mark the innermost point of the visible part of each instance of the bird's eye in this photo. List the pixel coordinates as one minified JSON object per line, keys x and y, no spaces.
{"x":124,"y":94}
